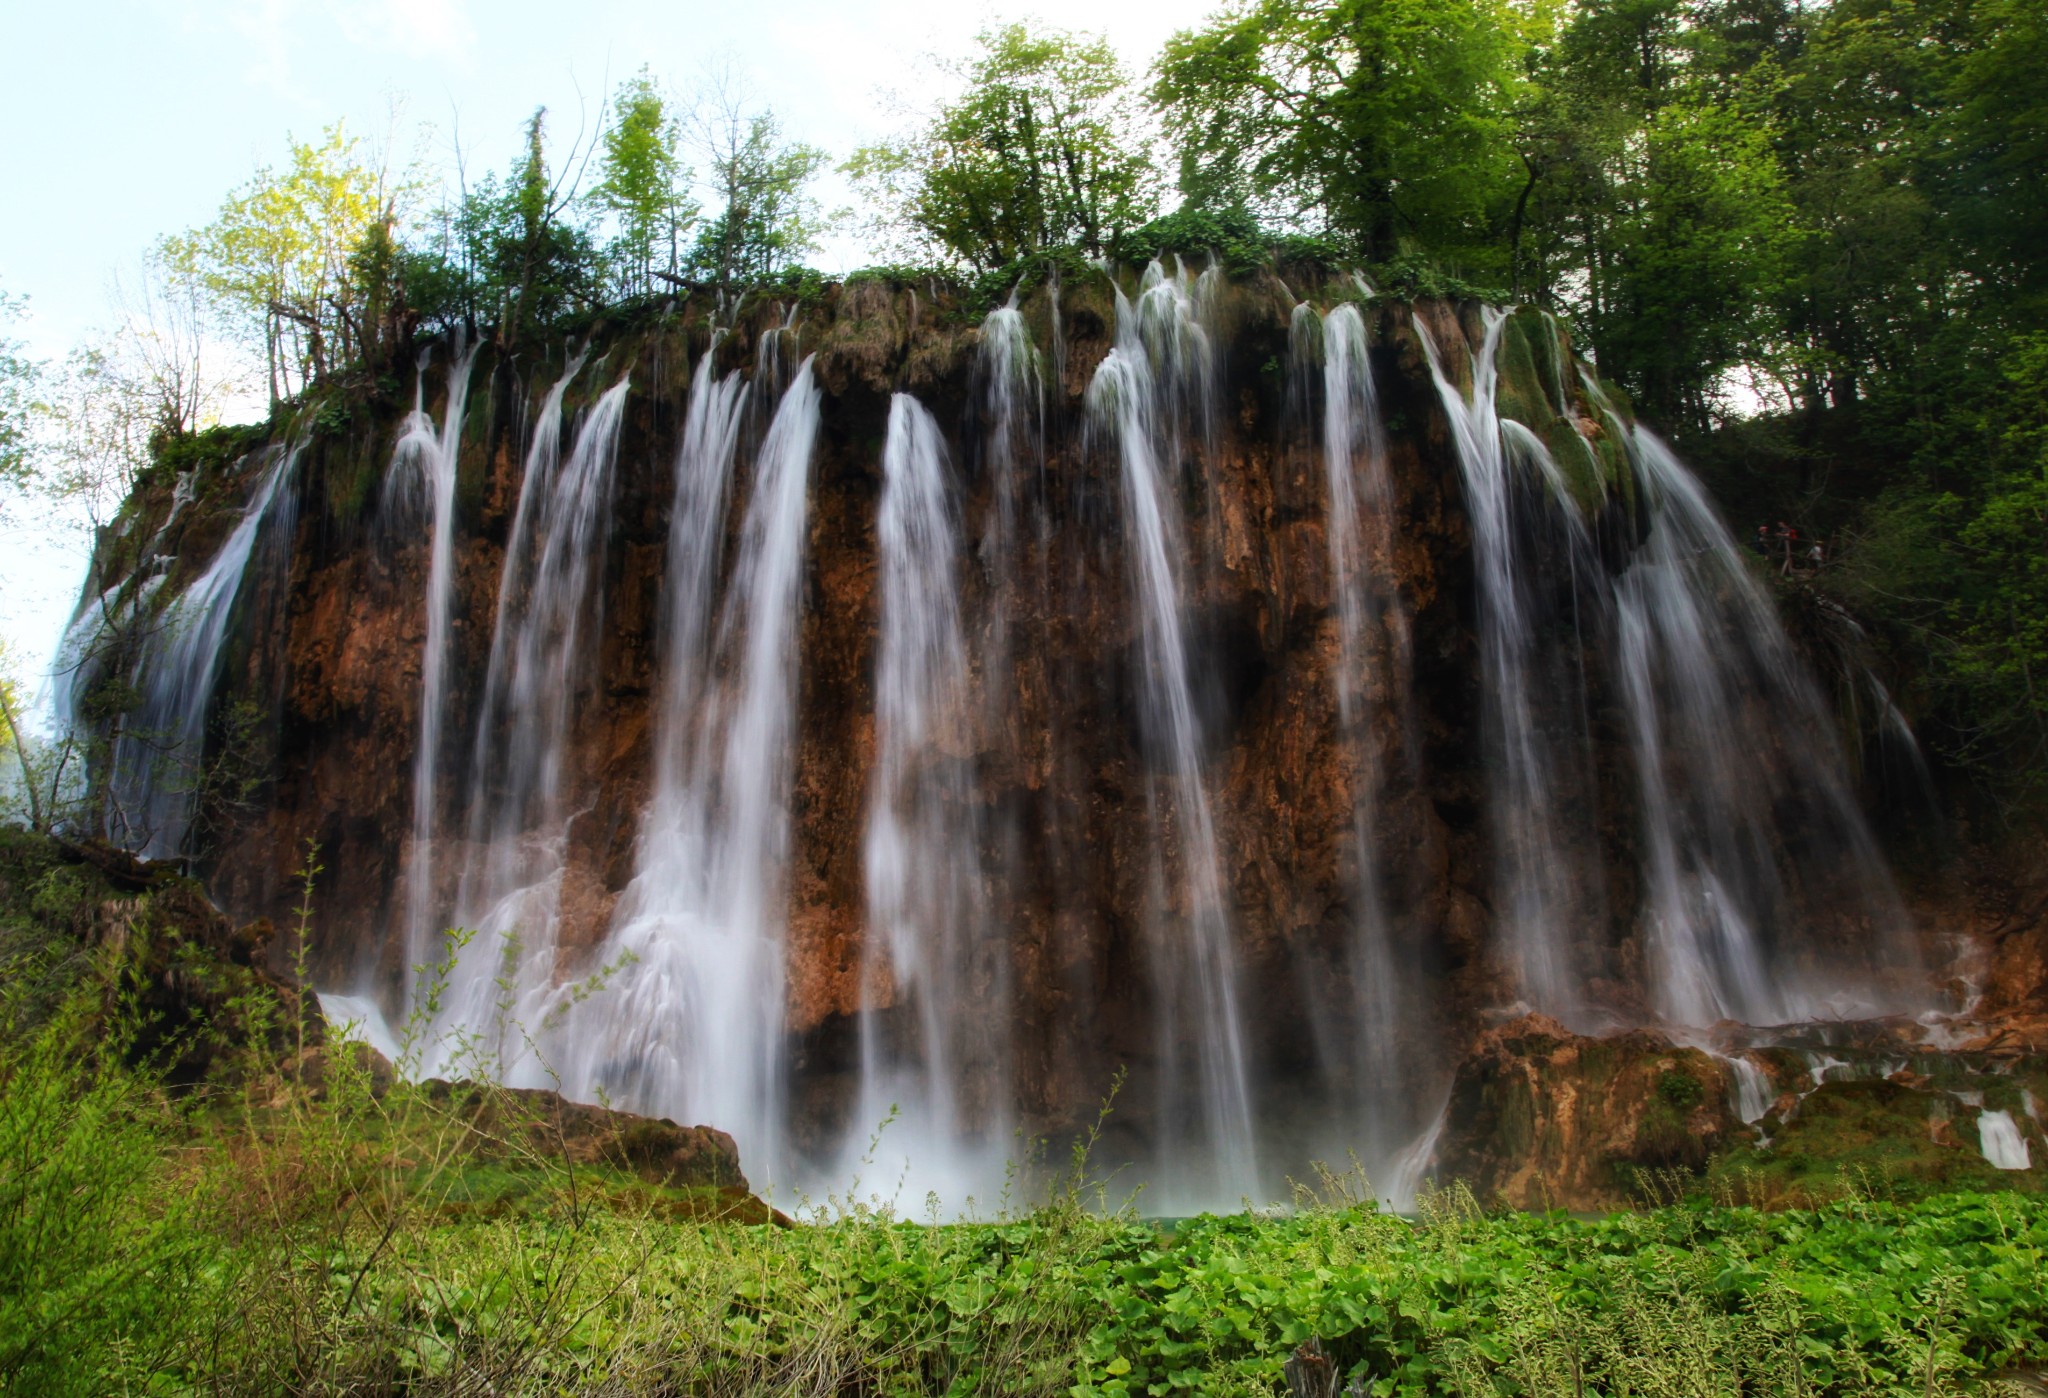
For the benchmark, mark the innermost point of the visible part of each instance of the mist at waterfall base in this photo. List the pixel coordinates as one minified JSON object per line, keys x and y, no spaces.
{"x":680,"y":1009}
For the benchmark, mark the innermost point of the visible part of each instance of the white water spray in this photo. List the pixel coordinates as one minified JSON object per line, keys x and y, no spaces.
{"x":941,"y":1059}
{"x":157,"y":758}
{"x":690,"y":1025}
{"x":422,"y":472}
{"x":1154,"y":393}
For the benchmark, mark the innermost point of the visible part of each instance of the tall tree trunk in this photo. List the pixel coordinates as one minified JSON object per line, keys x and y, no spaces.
{"x":1515,"y":230}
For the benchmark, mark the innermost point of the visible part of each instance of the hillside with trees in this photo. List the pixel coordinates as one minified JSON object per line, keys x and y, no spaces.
{"x":1806,"y":240}
{"x":1194,"y":662}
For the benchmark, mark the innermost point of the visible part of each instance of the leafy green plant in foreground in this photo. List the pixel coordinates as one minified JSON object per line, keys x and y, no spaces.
{"x":311,"y":1224}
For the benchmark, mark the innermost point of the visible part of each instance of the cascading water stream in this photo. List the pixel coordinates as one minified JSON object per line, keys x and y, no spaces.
{"x":1371,"y":633}
{"x":515,"y":576}
{"x":155,"y":766}
{"x":1998,"y":1136}
{"x":1754,"y":1091}
{"x":422,"y":474}
{"x":691,"y":1022}
{"x":511,"y":887}
{"x":1154,"y":385}
{"x":545,"y":620}
{"x":1537,"y":901}
{"x":1734,"y":753}
{"x":1016,"y":407}
{"x":696,"y":533}
{"x":1015,"y":398}
{"x":942,"y":1059}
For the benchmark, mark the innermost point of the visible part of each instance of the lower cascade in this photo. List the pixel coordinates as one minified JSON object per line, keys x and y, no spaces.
{"x":887,"y":738}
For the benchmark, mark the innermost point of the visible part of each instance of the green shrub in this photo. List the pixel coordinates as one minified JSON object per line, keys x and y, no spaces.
{"x":98,"y":1264}
{"x":1680,"y":1090}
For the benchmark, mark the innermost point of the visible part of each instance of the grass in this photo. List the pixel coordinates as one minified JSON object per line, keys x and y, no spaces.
{"x":303,"y":1223}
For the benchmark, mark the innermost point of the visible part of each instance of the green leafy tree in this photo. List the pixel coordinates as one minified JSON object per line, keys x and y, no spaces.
{"x":1386,"y":122}
{"x":1045,"y":148}
{"x":641,"y":186}
{"x":276,"y":259}
{"x":544,"y":262}
{"x":23,"y":761}
{"x":1857,"y":122}
{"x":103,"y":418}
{"x":1680,"y":286}
{"x":766,"y":218}
{"x":509,"y":250}
{"x":1999,"y":129}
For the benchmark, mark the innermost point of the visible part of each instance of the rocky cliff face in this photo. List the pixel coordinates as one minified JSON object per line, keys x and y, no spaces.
{"x":1082,"y":868}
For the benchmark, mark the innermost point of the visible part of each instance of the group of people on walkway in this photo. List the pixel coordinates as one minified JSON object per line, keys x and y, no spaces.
{"x":1785,"y":546}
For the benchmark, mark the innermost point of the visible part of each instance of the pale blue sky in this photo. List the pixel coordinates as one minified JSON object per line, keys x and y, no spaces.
{"x":127,"y":121}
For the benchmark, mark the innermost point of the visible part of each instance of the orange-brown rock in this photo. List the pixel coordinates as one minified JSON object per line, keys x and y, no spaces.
{"x":1541,"y":1117}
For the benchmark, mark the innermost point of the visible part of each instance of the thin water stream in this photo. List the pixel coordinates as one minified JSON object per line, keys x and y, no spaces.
{"x":1154,"y":395}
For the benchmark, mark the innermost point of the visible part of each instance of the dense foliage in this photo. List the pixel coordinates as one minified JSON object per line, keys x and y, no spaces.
{"x":197,"y":1197}
{"x":1807,"y":239}
{"x":1043,"y":150}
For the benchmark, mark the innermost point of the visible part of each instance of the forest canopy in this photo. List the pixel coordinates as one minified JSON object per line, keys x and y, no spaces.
{"x":1810,"y":240}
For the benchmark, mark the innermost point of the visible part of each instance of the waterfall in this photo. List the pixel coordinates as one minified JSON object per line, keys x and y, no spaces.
{"x":550,"y":604}
{"x":1754,"y":1090}
{"x":1371,"y":1030}
{"x":696,"y":532}
{"x":1538,"y":901}
{"x":1067,"y":628}
{"x":1749,"y":824}
{"x":156,"y":766}
{"x":690,"y":1024}
{"x":942,"y":1058}
{"x":422,"y":472}
{"x":1153,"y":387}
{"x":1009,"y":365}
{"x":1998,"y":1135}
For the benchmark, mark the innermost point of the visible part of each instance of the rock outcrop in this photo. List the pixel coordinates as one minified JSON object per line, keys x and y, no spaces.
{"x":1541,"y":1117}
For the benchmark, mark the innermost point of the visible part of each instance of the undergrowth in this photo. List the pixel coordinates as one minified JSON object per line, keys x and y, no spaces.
{"x":309,"y":1222}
